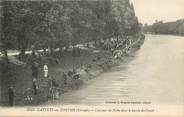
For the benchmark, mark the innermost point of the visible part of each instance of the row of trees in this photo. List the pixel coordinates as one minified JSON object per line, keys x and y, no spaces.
{"x":159,"y":27}
{"x":62,"y":23}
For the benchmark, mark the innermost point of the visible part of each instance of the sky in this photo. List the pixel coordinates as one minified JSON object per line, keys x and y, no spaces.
{"x":148,"y":11}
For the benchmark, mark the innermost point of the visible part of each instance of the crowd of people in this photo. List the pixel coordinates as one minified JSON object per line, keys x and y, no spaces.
{"x":116,"y":46}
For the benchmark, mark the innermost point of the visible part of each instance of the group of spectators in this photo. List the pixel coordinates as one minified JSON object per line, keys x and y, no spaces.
{"x":114,"y":44}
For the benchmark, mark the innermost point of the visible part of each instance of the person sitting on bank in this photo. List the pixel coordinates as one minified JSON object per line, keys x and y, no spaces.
{"x":70,"y":73}
{"x":76,"y":76}
{"x":11,"y":95}
{"x":74,"y":71}
{"x":54,"y":83}
{"x":64,"y":78}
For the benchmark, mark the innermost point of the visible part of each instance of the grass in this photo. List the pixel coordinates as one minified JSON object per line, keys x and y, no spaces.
{"x":21,"y":78}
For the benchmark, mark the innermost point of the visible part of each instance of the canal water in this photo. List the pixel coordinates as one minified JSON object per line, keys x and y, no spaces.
{"x":154,"y":74}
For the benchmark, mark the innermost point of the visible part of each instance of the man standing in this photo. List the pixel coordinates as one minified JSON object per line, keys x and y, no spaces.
{"x":46,"y":70}
{"x":35,"y":86}
{"x":11,"y":96}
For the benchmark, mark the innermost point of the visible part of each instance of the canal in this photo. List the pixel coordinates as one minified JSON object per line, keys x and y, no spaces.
{"x":154,"y":74}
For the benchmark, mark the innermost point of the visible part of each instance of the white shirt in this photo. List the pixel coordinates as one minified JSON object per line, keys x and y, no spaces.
{"x":45,"y":68}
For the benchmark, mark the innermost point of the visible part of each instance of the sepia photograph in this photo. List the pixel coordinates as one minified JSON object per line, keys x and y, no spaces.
{"x":92,"y":58}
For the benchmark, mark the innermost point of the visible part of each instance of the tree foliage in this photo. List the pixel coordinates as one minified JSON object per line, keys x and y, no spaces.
{"x":61,"y":23}
{"x":159,"y":27}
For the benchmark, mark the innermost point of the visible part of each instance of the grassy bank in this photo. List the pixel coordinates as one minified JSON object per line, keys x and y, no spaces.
{"x":89,"y":64}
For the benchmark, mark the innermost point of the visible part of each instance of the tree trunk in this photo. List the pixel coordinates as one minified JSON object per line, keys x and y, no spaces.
{"x":5,"y":54}
{"x":44,"y":51}
{"x":52,"y":45}
{"x":95,"y":42}
{"x":22,"y":55}
{"x":5,"y":80}
{"x":51,"y":50}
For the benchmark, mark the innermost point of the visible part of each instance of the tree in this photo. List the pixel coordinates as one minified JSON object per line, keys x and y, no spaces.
{"x":64,"y":23}
{"x":159,"y":27}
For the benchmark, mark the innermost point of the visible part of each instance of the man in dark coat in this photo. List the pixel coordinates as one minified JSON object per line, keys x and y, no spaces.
{"x":35,"y":86}
{"x":11,"y":96}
